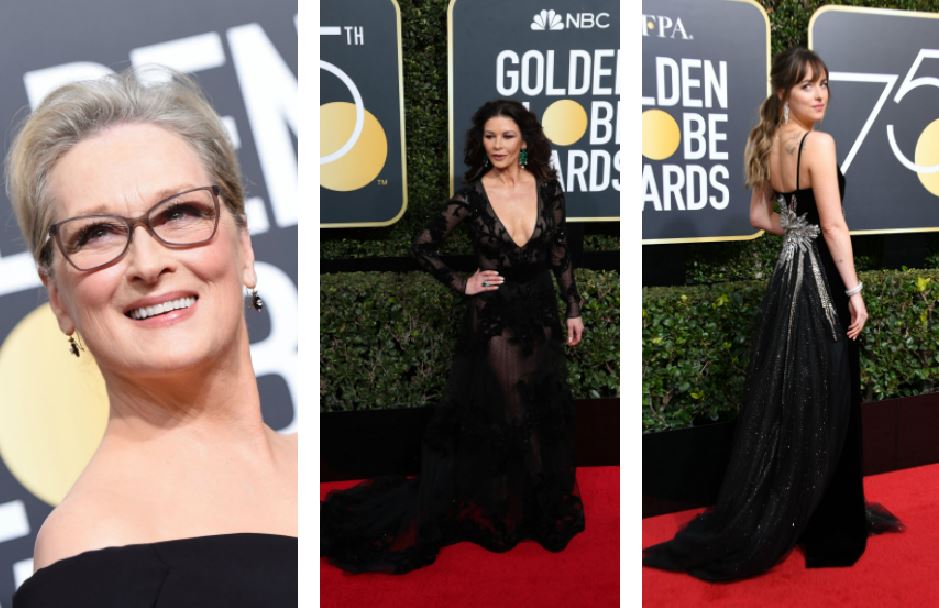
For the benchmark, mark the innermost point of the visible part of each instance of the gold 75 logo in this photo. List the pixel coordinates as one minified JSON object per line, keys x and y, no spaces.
{"x":928,"y":140}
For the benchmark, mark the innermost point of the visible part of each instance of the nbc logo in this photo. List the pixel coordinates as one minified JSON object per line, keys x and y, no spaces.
{"x":547,"y":20}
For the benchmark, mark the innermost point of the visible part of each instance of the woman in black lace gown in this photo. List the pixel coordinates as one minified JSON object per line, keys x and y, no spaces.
{"x":498,"y":455}
{"x":794,"y":475}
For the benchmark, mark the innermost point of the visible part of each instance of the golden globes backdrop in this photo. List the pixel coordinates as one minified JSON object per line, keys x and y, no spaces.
{"x":705,"y":71}
{"x":884,"y":113}
{"x":563,"y":62}
{"x":244,"y":55}
{"x":362,"y":157}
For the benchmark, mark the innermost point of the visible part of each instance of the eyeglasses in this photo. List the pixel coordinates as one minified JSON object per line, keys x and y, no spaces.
{"x":186,"y":219}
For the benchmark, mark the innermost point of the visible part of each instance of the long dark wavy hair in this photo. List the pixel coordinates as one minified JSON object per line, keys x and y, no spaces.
{"x":788,"y":70}
{"x":539,"y":146}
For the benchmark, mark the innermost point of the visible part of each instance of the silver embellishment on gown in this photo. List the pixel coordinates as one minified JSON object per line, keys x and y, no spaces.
{"x":799,"y":236}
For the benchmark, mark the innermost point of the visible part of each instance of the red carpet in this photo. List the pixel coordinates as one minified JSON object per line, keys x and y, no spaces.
{"x":895,"y":570}
{"x":585,"y":574}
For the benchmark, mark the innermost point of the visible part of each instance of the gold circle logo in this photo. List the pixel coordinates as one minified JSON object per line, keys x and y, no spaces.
{"x":564,"y":122}
{"x":927,"y":155}
{"x":660,"y":135}
{"x":362,"y":163}
{"x":54,"y":407}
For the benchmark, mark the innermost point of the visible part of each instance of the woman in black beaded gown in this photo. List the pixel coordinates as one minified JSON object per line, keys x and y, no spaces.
{"x":794,"y":475}
{"x":498,"y":456}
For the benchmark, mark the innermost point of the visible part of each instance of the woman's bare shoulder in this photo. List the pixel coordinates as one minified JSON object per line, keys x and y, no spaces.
{"x":87,"y":519}
{"x":95,"y":513}
{"x":819,"y":152}
{"x":819,"y":142}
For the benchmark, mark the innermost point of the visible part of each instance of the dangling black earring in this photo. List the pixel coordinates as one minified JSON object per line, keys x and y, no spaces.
{"x":256,"y":302}
{"x":523,"y":158}
{"x":486,"y":163}
{"x":74,"y":347}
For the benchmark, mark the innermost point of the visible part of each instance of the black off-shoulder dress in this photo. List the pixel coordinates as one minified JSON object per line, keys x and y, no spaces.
{"x":220,"y":571}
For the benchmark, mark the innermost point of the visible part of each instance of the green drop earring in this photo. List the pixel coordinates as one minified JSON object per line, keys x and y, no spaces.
{"x":523,"y":158}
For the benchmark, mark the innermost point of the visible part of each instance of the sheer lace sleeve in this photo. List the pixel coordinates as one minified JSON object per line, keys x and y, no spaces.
{"x":560,"y":257}
{"x":427,"y":243}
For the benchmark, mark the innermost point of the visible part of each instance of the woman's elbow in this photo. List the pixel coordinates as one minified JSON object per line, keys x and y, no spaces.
{"x":759,"y":221}
{"x":834,"y":229}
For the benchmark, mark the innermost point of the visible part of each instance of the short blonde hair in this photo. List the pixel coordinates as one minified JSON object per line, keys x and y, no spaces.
{"x":77,"y":111}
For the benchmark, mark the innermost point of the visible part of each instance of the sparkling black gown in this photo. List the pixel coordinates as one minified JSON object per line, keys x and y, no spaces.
{"x":498,"y":455}
{"x":794,"y":475}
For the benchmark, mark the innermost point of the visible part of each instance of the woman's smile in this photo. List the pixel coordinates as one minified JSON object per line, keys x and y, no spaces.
{"x":164,"y":309}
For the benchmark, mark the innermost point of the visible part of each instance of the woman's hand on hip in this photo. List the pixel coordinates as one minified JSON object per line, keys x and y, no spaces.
{"x":483,"y":280}
{"x":575,"y":331}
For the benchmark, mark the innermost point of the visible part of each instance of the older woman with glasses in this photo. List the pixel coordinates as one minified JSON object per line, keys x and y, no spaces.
{"x":130,"y":199}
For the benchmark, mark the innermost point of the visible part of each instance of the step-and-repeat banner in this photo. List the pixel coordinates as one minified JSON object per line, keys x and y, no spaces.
{"x":363,"y":178}
{"x":702,"y":85}
{"x":244,"y":55}
{"x":564,"y":63}
{"x":884,"y":113}
{"x":705,"y":71}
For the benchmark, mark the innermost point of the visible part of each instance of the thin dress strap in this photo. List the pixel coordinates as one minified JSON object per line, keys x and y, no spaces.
{"x":799,"y":157}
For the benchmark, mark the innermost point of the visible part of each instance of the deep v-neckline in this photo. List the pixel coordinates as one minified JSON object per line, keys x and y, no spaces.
{"x":505,"y":229}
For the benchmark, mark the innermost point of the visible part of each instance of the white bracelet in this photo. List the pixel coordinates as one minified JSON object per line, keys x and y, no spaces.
{"x":854,"y":290}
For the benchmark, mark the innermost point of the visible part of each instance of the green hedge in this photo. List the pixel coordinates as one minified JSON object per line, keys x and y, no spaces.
{"x":386,"y":339}
{"x":695,"y":344}
{"x":424,"y":62}
{"x":789,"y":19}
{"x":754,"y":260}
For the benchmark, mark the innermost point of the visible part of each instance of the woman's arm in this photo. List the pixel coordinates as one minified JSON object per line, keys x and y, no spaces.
{"x":762,"y":214}
{"x":427,"y":243}
{"x":564,"y":270}
{"x":822,"y":162}
{"x":426,"y":247}
{"x":560,"y":257}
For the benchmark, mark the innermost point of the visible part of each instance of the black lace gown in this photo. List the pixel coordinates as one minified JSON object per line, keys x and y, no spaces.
{"x":498,"y":456}
{"x":794,"y":475}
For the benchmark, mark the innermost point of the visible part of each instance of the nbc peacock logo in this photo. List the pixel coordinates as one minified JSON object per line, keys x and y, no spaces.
{"x":547,"y":20}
